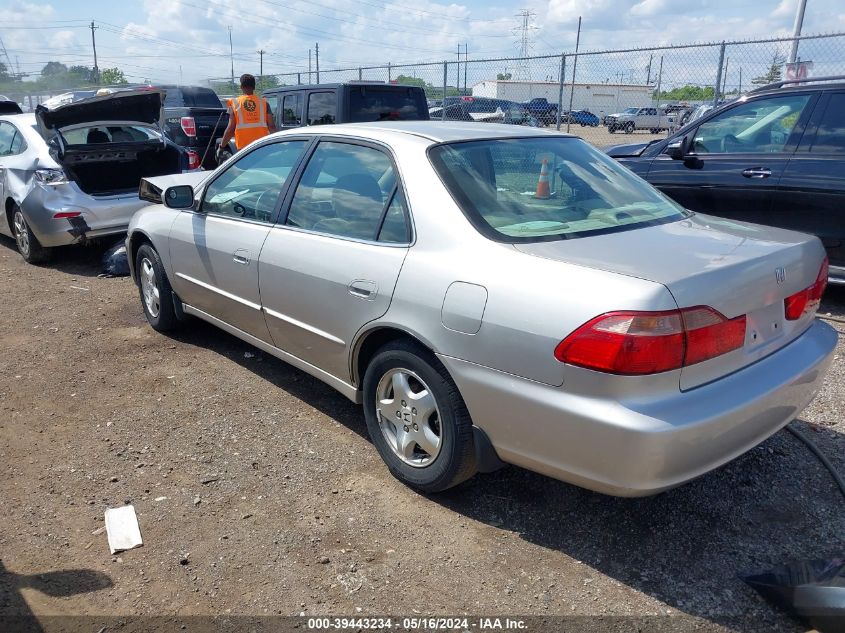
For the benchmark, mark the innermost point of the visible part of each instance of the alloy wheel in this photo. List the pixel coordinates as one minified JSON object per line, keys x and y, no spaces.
{"x":149,"y":288}
{"x":408,"y":417}
{"x":21,"y":234}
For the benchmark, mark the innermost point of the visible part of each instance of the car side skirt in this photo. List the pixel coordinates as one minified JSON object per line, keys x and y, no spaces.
{"x":350,"y":391}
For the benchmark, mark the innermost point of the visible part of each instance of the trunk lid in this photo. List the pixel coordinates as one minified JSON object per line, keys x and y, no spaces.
{"x":732,"y":267}
{"x":128,"y":106}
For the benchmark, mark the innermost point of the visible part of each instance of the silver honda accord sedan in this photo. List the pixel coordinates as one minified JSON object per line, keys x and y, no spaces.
{"x":495,"y":295}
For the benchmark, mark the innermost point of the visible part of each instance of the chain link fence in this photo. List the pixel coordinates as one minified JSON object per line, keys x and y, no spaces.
{"x":660,"y":87}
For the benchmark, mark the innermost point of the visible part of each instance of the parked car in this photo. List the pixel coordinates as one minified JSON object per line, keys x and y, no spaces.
{"x":652,"y":119}
{"x":71,"y":174}
{"x":583,"y":118}
{"x":194,"y":118}
{"x":776,"y":156}
{"x":351,"y":102}
{"x":542,"y":110}
{"x":484,"y":110}
{"x":596,"y":332}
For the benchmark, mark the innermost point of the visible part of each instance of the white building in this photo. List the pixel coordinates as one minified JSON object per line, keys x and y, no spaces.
{"x":599,"y":98}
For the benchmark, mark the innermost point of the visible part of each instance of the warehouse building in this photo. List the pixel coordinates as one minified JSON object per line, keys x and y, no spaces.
{"x":600,"y":99}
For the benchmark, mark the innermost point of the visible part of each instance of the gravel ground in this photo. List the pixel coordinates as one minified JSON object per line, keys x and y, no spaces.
{"x":258,"y":492}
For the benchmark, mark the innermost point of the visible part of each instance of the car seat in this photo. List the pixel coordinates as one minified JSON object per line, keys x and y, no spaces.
{"x":96,"y":136}
{"x":121,"y":136}
{"x":357,"y":203}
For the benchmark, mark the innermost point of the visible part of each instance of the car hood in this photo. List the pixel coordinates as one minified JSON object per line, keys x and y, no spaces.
{"x":630,"y":149}
{"x":136,"y":106}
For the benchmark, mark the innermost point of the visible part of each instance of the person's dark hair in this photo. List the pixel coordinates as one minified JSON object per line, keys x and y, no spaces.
{"x":248,"y":81}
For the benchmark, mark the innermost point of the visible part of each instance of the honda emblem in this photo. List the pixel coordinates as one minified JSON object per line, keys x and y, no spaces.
{"x":780,"y":274}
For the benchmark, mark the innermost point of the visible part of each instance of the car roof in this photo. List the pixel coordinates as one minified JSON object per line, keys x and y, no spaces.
{"x":26,"y":118}
{"x":436,"y":131}
{"x":354,"y":84}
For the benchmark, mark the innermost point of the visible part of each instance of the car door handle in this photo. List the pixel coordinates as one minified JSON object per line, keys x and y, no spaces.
{"x":241,"y":256}
{"x":363,"y":289}
{"x":757,"y":172}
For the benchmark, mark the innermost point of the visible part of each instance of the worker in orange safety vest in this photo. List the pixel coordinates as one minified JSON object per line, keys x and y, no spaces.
{"x":250,"y":117}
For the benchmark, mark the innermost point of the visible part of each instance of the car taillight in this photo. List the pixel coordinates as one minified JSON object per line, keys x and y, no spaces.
{"x":64,"y":215}
{"x":638,"y":343}
{"x":189,"y":126}
{"x":807,"y":300}
{"x":193,"y":159}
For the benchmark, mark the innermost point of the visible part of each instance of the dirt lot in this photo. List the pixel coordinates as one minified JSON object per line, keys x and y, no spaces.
{"x":297,"y":513}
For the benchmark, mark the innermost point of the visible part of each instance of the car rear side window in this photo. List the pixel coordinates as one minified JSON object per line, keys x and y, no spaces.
{"x":292,"y":110}
{"x":539,"y":189}
{"x":368,"y":103}
{"x":322,"y":108}
{"x":830,"y":137}
{"x":344,"y":191}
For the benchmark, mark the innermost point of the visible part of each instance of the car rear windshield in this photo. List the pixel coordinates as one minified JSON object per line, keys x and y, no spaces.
{"x":367,"y":103}
{"x":191,"y":98}
{"x":540,"y":189}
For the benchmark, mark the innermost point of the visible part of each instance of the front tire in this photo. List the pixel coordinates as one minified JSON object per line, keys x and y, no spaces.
{"x":417,"y":418}
{"x":154,"y":287}
{"x":28,"y":245}
{"x":629,"y":127}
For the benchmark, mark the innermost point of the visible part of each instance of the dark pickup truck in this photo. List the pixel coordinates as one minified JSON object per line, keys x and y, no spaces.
{"x":541,"y":109}
{"x":191,"y":114}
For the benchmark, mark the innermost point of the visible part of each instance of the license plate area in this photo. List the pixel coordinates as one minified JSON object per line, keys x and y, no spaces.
{"x":764,"y":327}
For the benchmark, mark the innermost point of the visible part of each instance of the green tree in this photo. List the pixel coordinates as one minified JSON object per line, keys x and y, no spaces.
{"x":405,"y":80}
{"x":688,"y":93}
{"x":4,"y":73}
{"x":775,"y":71}
{"x":81,"y":75}
{"x":266,"y":82}
{"x":112,"y":77}
{"x":51,"y":69}
{"x":504,"y":76}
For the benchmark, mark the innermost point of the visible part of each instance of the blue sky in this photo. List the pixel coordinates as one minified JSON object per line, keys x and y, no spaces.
{"x":167,"y":40}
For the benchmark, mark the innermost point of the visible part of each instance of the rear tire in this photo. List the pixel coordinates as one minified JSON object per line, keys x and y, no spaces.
{"x":428,"y":446}
{"x":156,"y":294}
{"x":28,"y":245}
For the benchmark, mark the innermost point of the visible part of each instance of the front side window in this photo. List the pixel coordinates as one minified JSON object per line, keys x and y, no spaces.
{"x":322,"y":108}
{"x":830,"y":137}
{"x":292,"y":110}
{"x":540,"y":189}
{"x":343,"y":191}
{"x":250,"y":188}
{"x":762,"y":126}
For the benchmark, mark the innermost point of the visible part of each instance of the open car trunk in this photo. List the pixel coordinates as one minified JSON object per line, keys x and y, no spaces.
{"x":109,"y":169}
{"x":108,"y":143}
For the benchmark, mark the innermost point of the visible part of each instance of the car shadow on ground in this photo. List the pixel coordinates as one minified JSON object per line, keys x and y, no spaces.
{"x":686,"y":547}
{"x":15,"y":614}
{"x":76,"y":260}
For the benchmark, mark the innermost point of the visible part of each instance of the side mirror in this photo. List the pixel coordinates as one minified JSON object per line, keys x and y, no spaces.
{"x":179,"y":197}
{"x":678,"y":149}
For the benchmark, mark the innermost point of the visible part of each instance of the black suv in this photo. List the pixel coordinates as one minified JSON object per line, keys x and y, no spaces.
{"x":775,"y":156}
{"x":351,"y":102}
{"x":191,"y":114}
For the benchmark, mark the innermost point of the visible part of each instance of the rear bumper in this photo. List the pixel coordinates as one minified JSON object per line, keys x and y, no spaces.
{"x":642,"y":447}
{"x":99,"y":215}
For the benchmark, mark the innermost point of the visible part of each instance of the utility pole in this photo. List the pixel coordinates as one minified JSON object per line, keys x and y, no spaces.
{"x":466,"y":63}
{"x":261,"y":65}
{"x":725,"y":75}
{"x":648,"y":71}
{"x":309,"y":65}
{"x":458,"y":78}
{"x":231,"y":56}
{"x":317,"y":59}
{"x":796,"y":30}
{"x":574,"y":67}
{"x":94,"y":45}
{"x":739,"y":91}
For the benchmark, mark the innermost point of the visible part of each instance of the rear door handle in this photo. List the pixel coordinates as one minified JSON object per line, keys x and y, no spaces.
{"x":757,"y":172}
{"x":241,"y":256}
{"x":363,"y":289}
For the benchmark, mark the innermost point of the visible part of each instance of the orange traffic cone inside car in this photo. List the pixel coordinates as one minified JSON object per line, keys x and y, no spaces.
{"x":543,"y":191}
